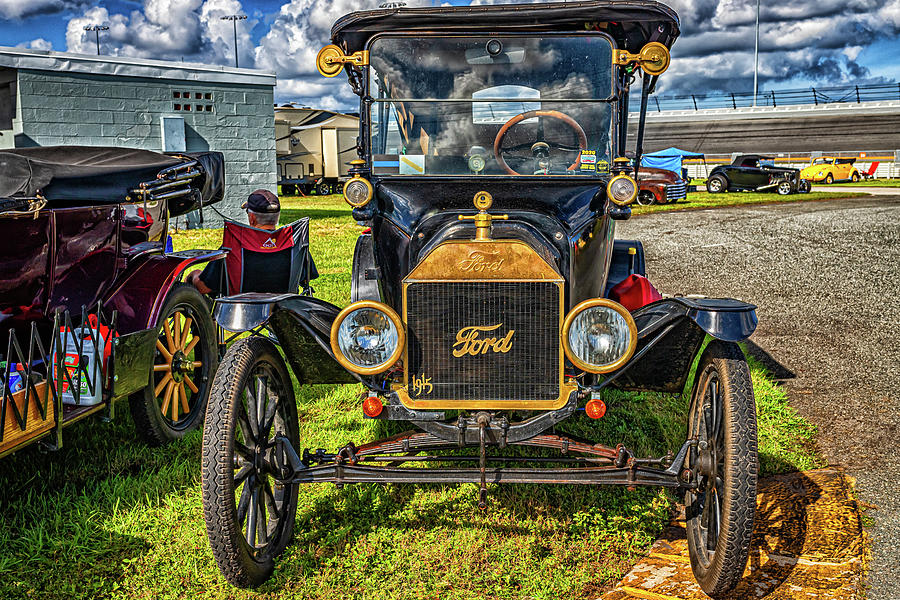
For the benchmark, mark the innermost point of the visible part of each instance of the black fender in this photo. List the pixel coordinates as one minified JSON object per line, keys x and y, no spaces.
{"x":364,"y":282}
{"x":671,"y":332}
{"x":302,"y":326}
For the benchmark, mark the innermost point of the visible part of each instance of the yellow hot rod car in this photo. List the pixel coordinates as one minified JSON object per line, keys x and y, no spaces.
{"x":829,"y":169}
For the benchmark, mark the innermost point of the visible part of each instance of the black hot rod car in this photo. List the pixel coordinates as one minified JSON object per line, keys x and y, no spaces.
{"x":492,"y":171}
{"x":755,"y":173}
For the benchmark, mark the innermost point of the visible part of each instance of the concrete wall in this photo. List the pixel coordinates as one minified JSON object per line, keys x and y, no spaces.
{"x":829,"y":128}
{"x":60,"y":108}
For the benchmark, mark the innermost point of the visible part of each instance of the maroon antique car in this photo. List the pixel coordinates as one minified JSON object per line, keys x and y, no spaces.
{"x":659,"y":186}
{"x":91,"y":306}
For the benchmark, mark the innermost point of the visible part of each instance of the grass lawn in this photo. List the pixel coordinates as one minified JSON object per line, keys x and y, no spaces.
{"x":698,"y":200}
{"x":869,"y":183}
{"x":107,"y":517}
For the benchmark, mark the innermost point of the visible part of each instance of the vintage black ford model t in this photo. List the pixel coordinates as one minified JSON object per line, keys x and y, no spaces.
{"x":492,"y":170}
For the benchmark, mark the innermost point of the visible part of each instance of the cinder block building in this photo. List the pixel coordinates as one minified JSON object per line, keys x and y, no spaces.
{"x":58,"y":98}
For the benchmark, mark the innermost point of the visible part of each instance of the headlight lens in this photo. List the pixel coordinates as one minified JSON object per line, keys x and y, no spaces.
{"x":367,"y":337}
{"x":599,"y":335}
{"x":476,"y":163}
{"x":357,"y":192}
{"x":622,"y":190}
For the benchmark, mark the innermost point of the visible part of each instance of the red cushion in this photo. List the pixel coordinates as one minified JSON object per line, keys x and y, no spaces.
{"x":634,"y":292}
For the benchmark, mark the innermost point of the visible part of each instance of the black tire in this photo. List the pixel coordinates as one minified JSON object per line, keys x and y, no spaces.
{"x":323,"y":189}
{"x":804,"y":187}
{"x":720,"y":512}
{"x":646,"y":198}
{"x":232,"y":458}
{"x":185,"y":361}
{"x":716,"y":184}
{"x":784,"y":188}
{"x":289,"y":189}
{"x":829,"y":179}
{"x":854,"y":177}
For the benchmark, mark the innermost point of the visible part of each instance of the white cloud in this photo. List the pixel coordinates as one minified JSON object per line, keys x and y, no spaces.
{"x":169,"y":29}
{"x":19,"y":9}
{"x":38,"y":44}
{"x":800,"y":41}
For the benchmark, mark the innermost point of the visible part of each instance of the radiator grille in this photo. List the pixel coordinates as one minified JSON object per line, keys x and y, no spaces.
{"x":676,"y":191}
{"x":528,"y":370}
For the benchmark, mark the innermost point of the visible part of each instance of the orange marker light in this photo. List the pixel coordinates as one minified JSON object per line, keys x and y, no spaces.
{"x":372,"y":406}
{"x":595,"y":409}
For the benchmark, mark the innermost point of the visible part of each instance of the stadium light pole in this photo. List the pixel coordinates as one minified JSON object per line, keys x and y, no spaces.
{"x":234,"y":19}
{"x":96,"y":29}
{"x":756,"y":58}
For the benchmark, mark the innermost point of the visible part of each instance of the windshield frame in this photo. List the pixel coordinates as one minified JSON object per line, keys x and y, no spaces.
{"x":367,"y":101}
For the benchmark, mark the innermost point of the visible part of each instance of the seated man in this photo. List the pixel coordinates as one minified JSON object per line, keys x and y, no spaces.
{"x":263,"y":211}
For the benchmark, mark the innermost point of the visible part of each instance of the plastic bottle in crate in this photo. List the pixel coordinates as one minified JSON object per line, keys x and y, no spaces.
{"x":80,"y":352}
{"x":15,"y":377}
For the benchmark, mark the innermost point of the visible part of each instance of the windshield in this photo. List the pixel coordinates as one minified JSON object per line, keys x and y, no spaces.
{"x":499,"y":105}
{"x":821,"y":161}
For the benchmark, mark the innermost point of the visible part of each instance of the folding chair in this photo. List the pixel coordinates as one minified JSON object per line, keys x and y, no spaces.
{"x":870,"y":174}
{"x":262,"y":260}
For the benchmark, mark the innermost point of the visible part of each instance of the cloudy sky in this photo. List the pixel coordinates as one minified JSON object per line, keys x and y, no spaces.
{"x":803,"y":42}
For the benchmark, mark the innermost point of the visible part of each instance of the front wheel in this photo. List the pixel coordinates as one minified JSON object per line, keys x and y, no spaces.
{"x":323,"y":189}
{"x":249,"y":509}
{"x":804,"y":187}
{"x":716,"y":184}
{"x":721,"y":510}
{"x":184,"y":363}
{"x":784,"y":188}
{"x":645,"y":198}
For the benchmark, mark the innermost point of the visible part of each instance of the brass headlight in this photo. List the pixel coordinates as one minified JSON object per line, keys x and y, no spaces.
{"x":358,"y":192}
{"x":367,"y":337}
{"x":599,"y":335}
{"x":622,"y":190}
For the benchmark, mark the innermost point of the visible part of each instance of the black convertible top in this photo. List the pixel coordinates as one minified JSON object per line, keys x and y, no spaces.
{"x":631,"y":23}
{"x":68,"y":175}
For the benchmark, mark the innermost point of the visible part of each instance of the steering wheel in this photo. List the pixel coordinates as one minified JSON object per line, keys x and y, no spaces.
{"x":554,"y":114}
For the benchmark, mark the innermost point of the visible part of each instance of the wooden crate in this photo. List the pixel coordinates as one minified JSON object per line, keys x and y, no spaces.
{"x":35,"y":426}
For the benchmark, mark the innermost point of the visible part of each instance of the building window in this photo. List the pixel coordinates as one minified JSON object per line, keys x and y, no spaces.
{"x":311,"y":168}
{"x":184,"y":95}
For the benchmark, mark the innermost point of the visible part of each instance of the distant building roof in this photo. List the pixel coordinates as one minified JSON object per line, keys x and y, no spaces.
{"x":119,"y":66}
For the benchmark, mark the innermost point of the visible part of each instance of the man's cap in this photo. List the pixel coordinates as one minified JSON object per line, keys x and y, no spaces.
{"x":262,"y":201}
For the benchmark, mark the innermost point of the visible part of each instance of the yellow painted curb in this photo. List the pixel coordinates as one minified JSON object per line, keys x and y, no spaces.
{"x":808,"y":542}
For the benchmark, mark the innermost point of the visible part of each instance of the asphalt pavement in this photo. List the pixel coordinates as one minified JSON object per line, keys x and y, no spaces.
{"x":826,"y":278}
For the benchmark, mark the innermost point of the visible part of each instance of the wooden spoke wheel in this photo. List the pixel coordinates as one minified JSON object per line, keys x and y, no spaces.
{"x":720,"y":512}
{"x":249,"y":510}
{"x":184,"y":363}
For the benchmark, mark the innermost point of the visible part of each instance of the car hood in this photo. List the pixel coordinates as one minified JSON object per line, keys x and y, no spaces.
{"x":813,"y":170}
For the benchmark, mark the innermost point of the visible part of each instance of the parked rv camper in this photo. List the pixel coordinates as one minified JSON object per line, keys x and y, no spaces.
{"x":314,"y":149}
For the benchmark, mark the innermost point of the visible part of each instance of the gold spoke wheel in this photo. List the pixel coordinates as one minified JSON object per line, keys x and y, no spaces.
{"x":175,"y":348}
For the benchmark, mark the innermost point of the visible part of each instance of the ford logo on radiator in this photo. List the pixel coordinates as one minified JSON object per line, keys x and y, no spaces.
{"x":468,"y":341}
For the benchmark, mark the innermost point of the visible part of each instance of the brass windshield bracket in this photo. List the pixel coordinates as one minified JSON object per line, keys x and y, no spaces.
{"x":331,"y":60}
{"x":482,"y":218}
{"x":653,"y":58}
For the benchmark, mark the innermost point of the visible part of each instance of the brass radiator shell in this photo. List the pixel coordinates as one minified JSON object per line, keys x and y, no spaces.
{"x":484,"y":262}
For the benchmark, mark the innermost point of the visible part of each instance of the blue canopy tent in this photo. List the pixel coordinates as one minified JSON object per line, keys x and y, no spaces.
{"x":668,"y":159}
